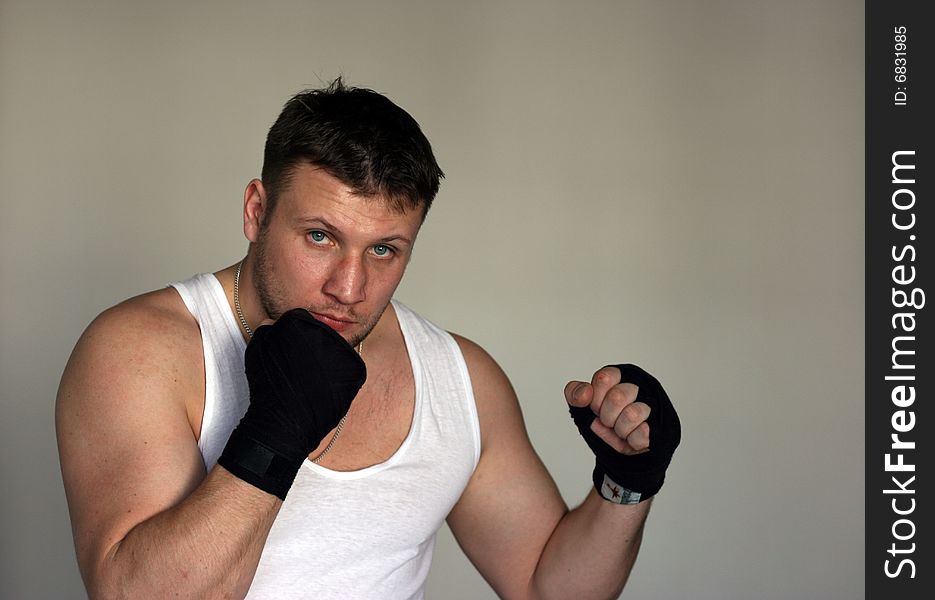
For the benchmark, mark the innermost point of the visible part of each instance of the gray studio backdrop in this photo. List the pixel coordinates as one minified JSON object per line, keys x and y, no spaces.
{"x":678,"y":184}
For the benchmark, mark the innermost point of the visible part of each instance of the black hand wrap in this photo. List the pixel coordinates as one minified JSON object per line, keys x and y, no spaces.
{"x":630,"y":479}
{"x":302,"y":377}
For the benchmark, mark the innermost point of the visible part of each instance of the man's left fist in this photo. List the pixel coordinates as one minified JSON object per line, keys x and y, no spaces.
{"x":629,"y":423}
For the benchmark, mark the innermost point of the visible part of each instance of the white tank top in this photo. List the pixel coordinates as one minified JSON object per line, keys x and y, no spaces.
{"x":359,"y":534}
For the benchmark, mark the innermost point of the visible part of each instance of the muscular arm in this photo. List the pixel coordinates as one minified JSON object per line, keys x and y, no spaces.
{"x":592,"y":551}
{"x":511,"y":520}
{"x":147,"y":521}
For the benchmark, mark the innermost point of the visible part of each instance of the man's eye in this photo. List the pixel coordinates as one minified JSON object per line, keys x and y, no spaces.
{"x":381,"y":250}
{"x":317,"y":236}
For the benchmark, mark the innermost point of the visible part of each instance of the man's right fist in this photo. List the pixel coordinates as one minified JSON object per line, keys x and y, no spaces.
{"x":302,"y":377}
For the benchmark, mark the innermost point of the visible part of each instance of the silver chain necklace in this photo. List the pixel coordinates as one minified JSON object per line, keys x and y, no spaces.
{"x":243,"y":323}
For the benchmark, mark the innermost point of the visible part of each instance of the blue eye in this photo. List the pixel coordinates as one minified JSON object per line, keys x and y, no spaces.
{"x":381,"y":250}
{"x":317,"y":236}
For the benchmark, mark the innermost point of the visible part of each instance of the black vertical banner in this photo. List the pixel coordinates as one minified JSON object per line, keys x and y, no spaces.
{"x":900,"y":378}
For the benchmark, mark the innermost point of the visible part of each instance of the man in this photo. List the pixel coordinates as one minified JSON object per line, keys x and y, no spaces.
{"x":282,"y":428}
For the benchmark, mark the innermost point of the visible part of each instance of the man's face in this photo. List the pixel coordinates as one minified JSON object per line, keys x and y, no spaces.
{"x":335,"y":253}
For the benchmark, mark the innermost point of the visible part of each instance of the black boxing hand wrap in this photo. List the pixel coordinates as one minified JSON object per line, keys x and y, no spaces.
{"x":631,"y":479}
{"x":302,"y":377}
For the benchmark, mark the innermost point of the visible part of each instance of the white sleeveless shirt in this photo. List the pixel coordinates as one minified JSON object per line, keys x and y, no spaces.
{"x":359,"y":534}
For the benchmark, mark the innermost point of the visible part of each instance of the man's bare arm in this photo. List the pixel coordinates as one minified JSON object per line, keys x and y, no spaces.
{"x":146,"y":520}
{"x":512,"y":522}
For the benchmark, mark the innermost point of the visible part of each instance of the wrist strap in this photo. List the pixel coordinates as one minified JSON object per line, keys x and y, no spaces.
{"x":612,"y":491}
{"x":258,"y":465}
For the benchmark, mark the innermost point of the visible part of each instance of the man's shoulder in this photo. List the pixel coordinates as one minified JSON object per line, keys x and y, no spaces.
{"x":477,"y":359}
{"x":487,"y":378}
{"x":140,"y":358}
{"x":489,"y":381}
{"x":473,"y":352}
{"x":150,"y":333}
{"x":158,"y":317}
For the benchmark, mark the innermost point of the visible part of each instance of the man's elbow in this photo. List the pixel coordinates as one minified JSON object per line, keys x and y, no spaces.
{"x":102,"y":575}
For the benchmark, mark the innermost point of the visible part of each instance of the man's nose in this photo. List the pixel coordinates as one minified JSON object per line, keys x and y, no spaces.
{"x":347,"y":280}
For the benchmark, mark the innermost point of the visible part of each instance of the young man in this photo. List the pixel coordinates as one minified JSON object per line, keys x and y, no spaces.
{"x":282,"y":428}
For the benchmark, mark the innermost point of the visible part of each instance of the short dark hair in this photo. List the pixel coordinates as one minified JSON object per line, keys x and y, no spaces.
{"x":358,"y":136}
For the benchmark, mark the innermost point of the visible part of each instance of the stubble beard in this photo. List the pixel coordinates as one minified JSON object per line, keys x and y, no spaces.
{"x":274,"y":305}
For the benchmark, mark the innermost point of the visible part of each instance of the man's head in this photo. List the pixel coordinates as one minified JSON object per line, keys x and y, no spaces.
{"x":358,"y":136}
{"x":347,"y":180}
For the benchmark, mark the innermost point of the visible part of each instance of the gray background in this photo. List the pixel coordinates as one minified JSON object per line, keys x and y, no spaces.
{"x":678,"y":184}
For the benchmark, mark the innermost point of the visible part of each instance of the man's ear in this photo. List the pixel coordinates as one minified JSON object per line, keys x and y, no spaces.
{"x":254,"y":209}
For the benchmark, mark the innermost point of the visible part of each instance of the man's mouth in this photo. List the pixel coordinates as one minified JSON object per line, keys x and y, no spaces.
{"x":335,"y":322}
